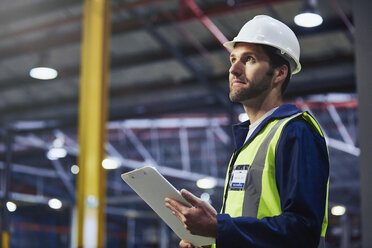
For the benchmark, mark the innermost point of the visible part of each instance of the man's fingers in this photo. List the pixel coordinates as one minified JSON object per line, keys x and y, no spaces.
{"x":175,"y":204}
{"x":185,"y":244}
{"x":173,"y":209}
{"x":176,"y":212}
{"x":170,"y":207}
{"x":190,"y":197}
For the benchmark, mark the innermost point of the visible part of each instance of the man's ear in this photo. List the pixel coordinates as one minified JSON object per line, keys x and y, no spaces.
{"x":280,"y":74}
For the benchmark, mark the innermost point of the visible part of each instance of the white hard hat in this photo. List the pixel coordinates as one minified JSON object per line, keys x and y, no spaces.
{"x":263,"y":29}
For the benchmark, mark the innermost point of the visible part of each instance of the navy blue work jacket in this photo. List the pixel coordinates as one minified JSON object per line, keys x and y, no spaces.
{"x":301,"y":172}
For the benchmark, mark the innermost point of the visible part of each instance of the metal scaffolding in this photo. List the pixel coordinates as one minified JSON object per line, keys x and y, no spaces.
{"x":183,"y":148}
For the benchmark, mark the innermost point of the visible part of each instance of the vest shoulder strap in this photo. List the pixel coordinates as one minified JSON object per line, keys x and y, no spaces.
{"x":254,"y":180}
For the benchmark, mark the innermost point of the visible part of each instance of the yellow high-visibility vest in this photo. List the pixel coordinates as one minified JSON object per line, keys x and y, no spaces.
{"x":261,"y":198}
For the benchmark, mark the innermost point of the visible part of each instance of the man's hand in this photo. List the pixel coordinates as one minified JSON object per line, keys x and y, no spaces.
{"x":201,"y":219}
{"x":185,"y":244}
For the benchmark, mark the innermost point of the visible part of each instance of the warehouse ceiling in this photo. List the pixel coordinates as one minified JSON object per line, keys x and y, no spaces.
{"x":163,"y":61}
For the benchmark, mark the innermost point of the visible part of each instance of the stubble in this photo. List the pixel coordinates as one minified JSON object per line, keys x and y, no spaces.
{"x":249,"y":90}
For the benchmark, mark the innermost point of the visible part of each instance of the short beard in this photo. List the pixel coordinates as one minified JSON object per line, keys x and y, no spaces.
{"x":253,"y":91}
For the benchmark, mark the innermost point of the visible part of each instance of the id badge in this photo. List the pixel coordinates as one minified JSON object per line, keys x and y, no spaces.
{"x":239,"y":177}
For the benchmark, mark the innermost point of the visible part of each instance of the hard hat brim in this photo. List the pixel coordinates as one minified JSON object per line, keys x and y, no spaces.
{"x":231,"y":44}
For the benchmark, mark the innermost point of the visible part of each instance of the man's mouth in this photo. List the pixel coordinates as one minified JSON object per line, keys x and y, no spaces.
{"x":236,"y":81}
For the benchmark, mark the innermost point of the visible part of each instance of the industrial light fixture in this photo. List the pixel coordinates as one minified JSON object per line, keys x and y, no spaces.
{"x":55,"y":203}
{"x":338,"y":210}
{"x":206,"y":183}
{"x":57,"y":150}
{"x":75,"y":169}
{"x":55,"y":153}
{"x":43,"y":73}
{"x":11,"y":206}
{"x":110,"y":163}
{"x":309,"y":16}
{"x":206,"y":197}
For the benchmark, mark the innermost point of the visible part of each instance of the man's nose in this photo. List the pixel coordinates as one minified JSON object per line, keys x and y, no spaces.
{"x":236,"y":68}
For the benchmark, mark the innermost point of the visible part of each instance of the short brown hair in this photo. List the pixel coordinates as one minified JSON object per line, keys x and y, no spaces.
{"x":276,"y":61}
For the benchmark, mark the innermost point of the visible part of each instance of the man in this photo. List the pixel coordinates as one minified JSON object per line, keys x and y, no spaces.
{"x":276,"y":187}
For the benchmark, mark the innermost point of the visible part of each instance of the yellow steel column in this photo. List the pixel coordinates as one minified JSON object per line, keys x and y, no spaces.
{"x":91,"y":185}
{"x":5,"y":239}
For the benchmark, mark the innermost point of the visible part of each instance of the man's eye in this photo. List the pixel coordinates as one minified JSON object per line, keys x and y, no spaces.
{"x":249,"y":59}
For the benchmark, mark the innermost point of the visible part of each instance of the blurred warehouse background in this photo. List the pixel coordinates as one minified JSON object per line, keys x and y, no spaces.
{"x":168,"y":107}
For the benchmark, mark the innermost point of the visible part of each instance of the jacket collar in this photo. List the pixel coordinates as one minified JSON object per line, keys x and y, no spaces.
{"x":240,"y":130}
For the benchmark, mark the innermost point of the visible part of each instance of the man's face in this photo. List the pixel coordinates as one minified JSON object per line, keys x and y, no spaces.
{"x":250,"y":73}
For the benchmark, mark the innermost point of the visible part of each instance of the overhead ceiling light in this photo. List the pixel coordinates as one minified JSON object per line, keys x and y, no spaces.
{"x":75,"y":169}
{"x":58,"y":142}
{"x":43,"y":73}
{"x":55,"y":203}
{"x":206,"y":197}
{"x":55,"y":153}
{"x":338,"y":210}
{"x":309,"y":16}
{"x":206,"y":183}
{"x":110,"y":163}
{"x":11,"y":206}
{"x":308,"y":19}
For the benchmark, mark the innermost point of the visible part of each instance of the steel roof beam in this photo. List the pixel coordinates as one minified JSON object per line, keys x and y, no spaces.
{"x":119,"y":28}
{"x":199,"y":75}
{"x":206,"y":21}
{"x":116,"y":62}
{"x":12,"y":16}
{"x":32,"y":10}
{"x":151,"y":57}
{"x":340,"y":83}
{"x":30,"y":170}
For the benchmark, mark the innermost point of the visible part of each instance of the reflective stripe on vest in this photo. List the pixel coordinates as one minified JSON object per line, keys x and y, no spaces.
{"x":254,"y":178}
{"x":261,"y":198}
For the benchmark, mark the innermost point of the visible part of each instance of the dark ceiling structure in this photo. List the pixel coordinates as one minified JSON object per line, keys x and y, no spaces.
{"x":146,"y":38}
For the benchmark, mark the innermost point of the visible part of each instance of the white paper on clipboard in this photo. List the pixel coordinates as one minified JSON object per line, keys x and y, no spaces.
{"x":152,"y":187}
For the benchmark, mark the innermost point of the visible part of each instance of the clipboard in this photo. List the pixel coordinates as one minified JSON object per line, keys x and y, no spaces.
{"x":152,"y":187}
